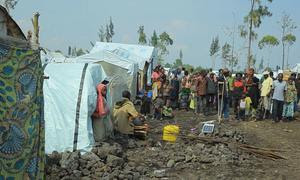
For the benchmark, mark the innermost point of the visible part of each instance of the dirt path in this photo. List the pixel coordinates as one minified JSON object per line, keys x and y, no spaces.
{"x":265,"y":134}
{"x":285,"y":136}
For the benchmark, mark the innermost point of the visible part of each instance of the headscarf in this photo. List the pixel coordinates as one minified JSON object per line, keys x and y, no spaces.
{"x":101,"y":109}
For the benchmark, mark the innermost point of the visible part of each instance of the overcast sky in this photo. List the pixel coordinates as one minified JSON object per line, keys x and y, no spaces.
{"x":191,"y":23}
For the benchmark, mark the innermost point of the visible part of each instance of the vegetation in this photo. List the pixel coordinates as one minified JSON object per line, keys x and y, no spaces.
{"x":214,"y":49}
{"x":253,"y":20}
{"x":269,"y":42}
{"x":287,"y":27}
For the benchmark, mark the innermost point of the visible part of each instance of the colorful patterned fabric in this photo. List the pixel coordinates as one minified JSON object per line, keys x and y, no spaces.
{"x":21,"y":114}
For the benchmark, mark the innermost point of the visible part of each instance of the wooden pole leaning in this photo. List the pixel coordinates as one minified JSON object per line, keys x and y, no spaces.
{"x":220,"y":104}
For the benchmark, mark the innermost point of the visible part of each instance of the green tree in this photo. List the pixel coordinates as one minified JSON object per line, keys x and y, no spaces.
{"x":178,"y":63}
{"x":80,"y":52}
{"x":254,"y":20}
{"x":161,"y":42}
{"x":108,"y":36}
{"x":188,"y":67}
{"x":168,"y":65}
{"x":290,"y":39}
{"x":269,"y":42}
{"x":101,"y":34}
{"x":261,"y":65}
{"x":287,"y":26}
{"x":142,"y":36}
{"x":181,"y":55}
{"x":111,"y":29}
{"x":214,"y":49}
{"x":164,"y":41}
{"x":226,"y":48}
{"x":58,"y":51}
{"x":154,"y":39}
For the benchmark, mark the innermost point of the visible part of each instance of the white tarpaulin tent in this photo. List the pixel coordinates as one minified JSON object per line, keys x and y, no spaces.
{"x":70,"y":99}
{"x":296,"y":68}
{"x":114,"y":66}
{"x":138,"y":53}
{"x":52,"y":57}
{"x":145,"y":56}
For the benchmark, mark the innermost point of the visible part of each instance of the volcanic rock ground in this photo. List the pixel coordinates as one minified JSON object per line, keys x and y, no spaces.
{"x":188,"y":157}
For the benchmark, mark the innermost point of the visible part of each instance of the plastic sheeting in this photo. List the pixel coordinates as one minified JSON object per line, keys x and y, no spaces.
{"x":61,"y":94}
{"x":115,"y":67}
{"x":296,"y":68}
{"x":136,"y":53}
{"x":52,"y":57}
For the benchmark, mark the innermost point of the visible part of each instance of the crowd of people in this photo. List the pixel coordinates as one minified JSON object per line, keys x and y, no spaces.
{"x":207,"y":93}
{"x":204,"y":93}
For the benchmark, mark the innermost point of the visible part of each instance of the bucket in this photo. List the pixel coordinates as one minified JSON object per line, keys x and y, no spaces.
{"x":170,"y":133}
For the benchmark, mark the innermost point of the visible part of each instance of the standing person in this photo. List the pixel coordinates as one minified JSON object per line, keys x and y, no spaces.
{"x":156,"y":82}
{"x":278,"y":87}
{"x":289,"y":99}
{"x":237,"y":93}
{"x":211,"y":90}
{"x":102,"y":125}
{"x":252,"y":84}
{"x":266,"y":88}
{"x":166,"y":91}
{"x":146,"y":104}
{"x":158,"y":104}
{"x":201,"y":87}
{"x":174,"y":95}
{"x":223,"y":98}
{"x":193,"y":102}
{"x":185,"y":91}
{"x":297,"y":84}
{"x":230,"y":88}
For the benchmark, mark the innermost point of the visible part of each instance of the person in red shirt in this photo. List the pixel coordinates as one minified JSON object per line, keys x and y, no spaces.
{"x":238,"y":92}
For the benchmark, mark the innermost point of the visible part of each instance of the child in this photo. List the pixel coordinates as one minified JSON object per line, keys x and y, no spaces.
{"x":248,"y":102}
{"x":241,"y":108}
{"x":146,"y":103}
{"x":167,"y":91}
{"x":289,"y":99}
{"x":167,"y":111}
{"x":158,"y":105}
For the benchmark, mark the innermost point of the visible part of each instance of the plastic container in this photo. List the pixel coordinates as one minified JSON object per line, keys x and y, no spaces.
{"x":170,"y":133}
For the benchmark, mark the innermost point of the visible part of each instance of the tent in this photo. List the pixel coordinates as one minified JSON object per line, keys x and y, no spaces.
{"x":21,"y":104}
{"x":52,"y":57}
{"x":145,"y":56}
{"x":296,"y":68}
{"x":70,"y":99}
{"x":115,"y":67}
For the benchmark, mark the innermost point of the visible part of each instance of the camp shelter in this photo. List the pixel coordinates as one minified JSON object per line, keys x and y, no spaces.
{"x":48,"y":56}
{"x":145,"y":56}
{"x":296,"y":68}
{"x":114,"y":67}
{"x":70,"y":99}
{"x":21,"y":104}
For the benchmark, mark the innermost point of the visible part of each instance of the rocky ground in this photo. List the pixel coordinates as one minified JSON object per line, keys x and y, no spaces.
{"x":189,"y":157}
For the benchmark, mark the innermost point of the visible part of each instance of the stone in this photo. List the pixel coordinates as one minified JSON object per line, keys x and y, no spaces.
{"x":229,"y":133}
{"x":90,"y":156}
{"x":159,"y":173}
{"x":179,"y":158}
{"x":114,"y":161}
{"x":170,"y":163}
{"x":53,"y":158}
{"x":68,"y":159}
{"x":136,"y":176}
{"x":200,"y":146}
{"x":86,"y":172}
{"x":77,"y":173}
